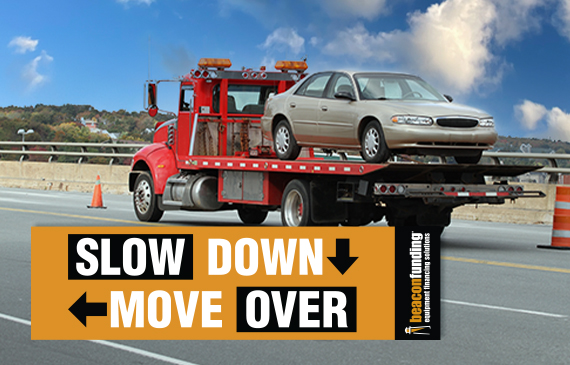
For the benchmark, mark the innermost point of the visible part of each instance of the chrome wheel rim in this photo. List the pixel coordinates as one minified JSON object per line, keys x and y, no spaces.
{"x":282,"y":140}
{"x":293,"y":209}
{"x":371,"y":142}
{"x":142,"y":197}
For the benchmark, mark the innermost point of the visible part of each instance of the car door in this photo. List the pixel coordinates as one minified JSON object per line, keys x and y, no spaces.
{"x":302,"y":107}
{"x":338,"y":116}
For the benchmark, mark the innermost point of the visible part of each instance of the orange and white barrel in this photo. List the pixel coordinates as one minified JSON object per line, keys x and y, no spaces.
{"x":561,"y":221}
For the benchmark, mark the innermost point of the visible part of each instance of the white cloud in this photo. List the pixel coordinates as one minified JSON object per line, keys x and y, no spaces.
{"x":314,"y":41}
{"x":285,"y":38}
{"x":147,"y":2}
{"x":532,"y":116}
{"x":30,"y":73}
{"x":368,"y":9}
{"x":451,"y":42}
{"x":529,"y":114}
{"x":23,"y":44}
{"x":562,"y":20}
{"x":514,"y":18}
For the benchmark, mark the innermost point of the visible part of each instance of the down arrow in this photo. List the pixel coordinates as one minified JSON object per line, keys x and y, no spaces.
{"x":81,"y":309}
{"x":342,"y":261}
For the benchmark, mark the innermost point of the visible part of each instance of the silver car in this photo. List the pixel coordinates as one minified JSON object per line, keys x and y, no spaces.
{"x":379,"y":114}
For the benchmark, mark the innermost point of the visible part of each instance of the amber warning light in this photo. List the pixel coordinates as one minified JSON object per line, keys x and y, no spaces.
{"x":291,"y":65}
{"x":220,"y":63}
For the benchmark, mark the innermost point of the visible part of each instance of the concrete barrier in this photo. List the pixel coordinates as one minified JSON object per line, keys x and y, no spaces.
{"x":63,"y":176}
{"x":114,"y":179}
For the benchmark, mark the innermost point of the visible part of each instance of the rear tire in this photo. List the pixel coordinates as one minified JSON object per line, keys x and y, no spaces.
{"x":145,"y":200}
{"x":296,"y":204}
{"x":373,"y":144}
{"x":469,"y":159}
{"x":284,"y":142}
{"x":252,"y":216}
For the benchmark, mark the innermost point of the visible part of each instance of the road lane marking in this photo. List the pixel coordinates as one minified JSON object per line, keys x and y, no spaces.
{"x":507,"y":264}
{"x":118,"y":346}
{"x":81,"y":216}
{"x":504,"y":308}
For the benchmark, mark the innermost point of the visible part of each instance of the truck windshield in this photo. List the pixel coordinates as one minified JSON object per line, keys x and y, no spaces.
{"x":245,"y":99}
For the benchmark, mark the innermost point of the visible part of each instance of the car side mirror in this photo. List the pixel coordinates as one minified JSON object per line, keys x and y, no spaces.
{"x":449,"y":98}
{"x":344,"y":95}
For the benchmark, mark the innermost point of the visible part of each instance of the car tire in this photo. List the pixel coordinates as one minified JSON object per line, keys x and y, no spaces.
{"x":373,"y":144}
{"x":145,"y":200}
{"x":284,"y":142}
{"x":253,"y":216}
{"x":296,"y":204}
{"x":473,"y":159}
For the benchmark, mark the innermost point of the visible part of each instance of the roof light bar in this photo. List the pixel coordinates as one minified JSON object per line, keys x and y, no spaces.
{"x":219,"y":63}
{"x":291,"y":66}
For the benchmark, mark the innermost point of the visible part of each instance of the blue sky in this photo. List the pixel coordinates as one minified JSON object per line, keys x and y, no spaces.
{"x":508,"y":57}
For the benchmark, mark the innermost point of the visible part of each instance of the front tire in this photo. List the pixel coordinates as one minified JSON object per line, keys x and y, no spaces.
{"x":373,"y":144}
{"x":296,"y":204}
{"x":145,"y":200}
{"x":284,"y":142}
{"x":252,"y":216}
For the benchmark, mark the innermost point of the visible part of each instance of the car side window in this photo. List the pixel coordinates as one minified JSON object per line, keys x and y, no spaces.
{"x":315,"y":86}
{"x":341,"y":83}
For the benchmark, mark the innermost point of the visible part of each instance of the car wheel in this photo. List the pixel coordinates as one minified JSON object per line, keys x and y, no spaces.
{"x":250,"y":215}
{"x":469,"y":159}
{"x":374,"y":148}
{"x":296,"y":205}
{"x":145,"y":200}
{"x":284,"y":142}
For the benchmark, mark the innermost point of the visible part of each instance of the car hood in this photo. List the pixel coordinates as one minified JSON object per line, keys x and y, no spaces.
{"x":427,"y":108}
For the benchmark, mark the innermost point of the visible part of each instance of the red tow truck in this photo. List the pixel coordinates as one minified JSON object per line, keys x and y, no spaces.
{"x":213,"y":157}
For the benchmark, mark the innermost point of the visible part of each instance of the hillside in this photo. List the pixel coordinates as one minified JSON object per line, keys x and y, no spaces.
{"x":70,"y":123}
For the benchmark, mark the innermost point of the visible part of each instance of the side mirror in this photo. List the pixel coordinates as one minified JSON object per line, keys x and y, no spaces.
{"x":344,"y":95}
{"x":449,"y":98}
{"x":152,"y":107}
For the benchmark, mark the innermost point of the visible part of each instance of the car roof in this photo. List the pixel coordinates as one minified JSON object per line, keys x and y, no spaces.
{"x":353,"y":72}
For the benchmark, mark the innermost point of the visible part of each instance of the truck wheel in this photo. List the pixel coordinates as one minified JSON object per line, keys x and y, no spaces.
{"x":250,"y":215}
{"x":296,"y":204}
{"x":374,"y":148}
{"x":469,"y":159}
{"x":145,"y":200}
{"x":284,"y":142}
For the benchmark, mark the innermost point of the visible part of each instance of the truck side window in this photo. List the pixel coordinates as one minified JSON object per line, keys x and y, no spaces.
{"x":216,"y":99}
{"x":186,"y":99}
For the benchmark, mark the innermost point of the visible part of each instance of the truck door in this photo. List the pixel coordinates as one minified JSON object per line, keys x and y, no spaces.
{"x":184,"y":123}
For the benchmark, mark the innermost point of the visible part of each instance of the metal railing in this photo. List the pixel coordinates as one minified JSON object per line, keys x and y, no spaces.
{"x":111,"y":150}
{"x":82,"y":151}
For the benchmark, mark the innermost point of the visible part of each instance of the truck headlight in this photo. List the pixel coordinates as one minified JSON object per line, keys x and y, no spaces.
{"x":486,"y":122}
{"x":412,"y":119}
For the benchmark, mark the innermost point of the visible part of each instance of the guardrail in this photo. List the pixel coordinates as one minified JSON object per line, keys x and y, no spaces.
{"x":111,"y":150}
{"x":79,"y":150}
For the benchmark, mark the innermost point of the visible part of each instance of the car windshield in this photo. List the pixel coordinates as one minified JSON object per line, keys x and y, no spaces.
{"x":383,"y":86}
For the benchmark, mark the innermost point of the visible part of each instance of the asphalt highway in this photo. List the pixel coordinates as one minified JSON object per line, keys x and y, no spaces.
{"x":503,"y":300}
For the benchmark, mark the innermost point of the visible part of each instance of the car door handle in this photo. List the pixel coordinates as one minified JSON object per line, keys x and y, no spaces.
{"x":292,"y":105}
{"x":324,"y":108}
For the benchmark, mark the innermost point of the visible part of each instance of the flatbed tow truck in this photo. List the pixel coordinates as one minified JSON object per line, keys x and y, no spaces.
{"x":213,"y":156}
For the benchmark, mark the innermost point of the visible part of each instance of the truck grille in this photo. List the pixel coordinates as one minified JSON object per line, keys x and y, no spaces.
{"x":457,"y":122}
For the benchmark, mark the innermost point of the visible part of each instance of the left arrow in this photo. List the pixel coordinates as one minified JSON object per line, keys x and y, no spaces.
{"x":81,"y":309}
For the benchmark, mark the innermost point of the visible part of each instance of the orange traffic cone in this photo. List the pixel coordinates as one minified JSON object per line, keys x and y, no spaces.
{"x":97,"y":201}
{"x":561,"y":222}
